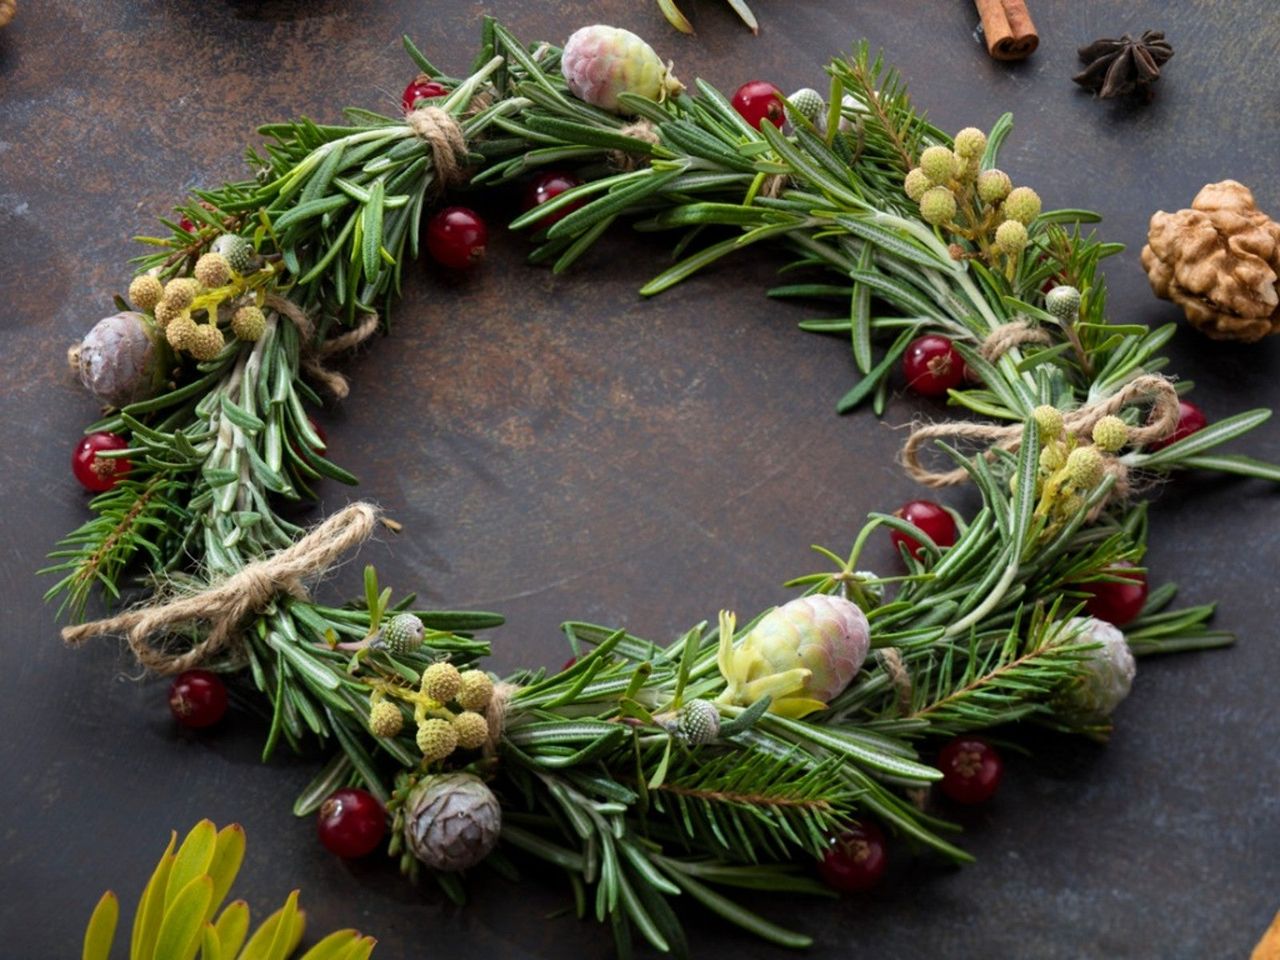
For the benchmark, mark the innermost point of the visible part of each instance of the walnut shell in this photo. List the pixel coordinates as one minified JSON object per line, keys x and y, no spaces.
{"x":1219,"y":261}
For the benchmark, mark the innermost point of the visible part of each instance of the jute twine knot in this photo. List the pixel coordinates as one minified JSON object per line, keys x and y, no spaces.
{"x":224,"y":606}
{"x":625,"y":161}
{"x":891,"y":660}
{"x":1009,"y":335}
{"x":1148,"y":388}
{"x":313,"y":354}
{"x":440,"y":131}
{"x":495,"y":715}
{"x":773,"y":185}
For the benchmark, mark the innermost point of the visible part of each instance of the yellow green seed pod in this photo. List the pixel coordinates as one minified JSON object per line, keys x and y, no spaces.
{"x":441,"y":682}
{"x":472,"y":730}
{"x":1110,"y":434}
{"x":915,"y":184}
{"x":1084,"y":467}
{"x":436,"y":739}
{"x":1053,"y":457}
{"x":475,"y":691}
{"x":165,"y":313}
{"x":1049,"y":422}
{"x":145,"y":291}
{"x":385,"y":719}
{"x":181,"y":331}
{"x":993,"y":186}
{"x":180,"y":292}
{"x":1022,"y":204}
{"x":938,"y":164}
{"x":248,"y":324}
{"x":207,"y":342}
{"x":937,"y":206}
{"x":212,"y":270}
{"x":1011,"y":237}
{"x":970,"y":142}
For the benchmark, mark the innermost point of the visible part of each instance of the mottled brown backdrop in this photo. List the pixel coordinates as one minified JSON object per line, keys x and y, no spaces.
{"x":559,"y":448}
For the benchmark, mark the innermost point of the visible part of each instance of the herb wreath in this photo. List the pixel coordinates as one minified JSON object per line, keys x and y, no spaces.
{"x":730,"y":756}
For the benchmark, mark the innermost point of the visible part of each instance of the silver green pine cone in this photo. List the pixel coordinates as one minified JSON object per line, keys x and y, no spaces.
{"x":236,"y":250}
{"x":1106,"y":677}
{"x":1063,"y":302}
{"x":400,"y":635}
{"x":122,"y":359}
{"x":699,"y":722}
{"x":451,"y":821}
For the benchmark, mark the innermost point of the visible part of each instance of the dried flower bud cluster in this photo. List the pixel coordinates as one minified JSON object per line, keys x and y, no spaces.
{"x":1219,"y":261}
{"x":189,"y":310}
{"x":966,"y":202}
{"x":448,"y":706}
{"x":1071,"y":469}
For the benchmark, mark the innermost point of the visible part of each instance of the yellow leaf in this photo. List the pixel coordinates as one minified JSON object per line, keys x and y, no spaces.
{"x":285,"y":926}
{"x":194,"y":857}
{"x":228,"y":854}
{"x":362,"y":950}
{"x":183,"y":922}
{"x":210,"y":945}
{"x":336,"y":946}
{"x":146,"y":922}
{"x":776,"y":685}
{"x":102,"y":928}
{"x":796,"y":707}
{"x":233,"y":927}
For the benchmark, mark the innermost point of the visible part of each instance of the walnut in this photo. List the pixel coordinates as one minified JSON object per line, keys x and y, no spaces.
{"x":1218,"y":261}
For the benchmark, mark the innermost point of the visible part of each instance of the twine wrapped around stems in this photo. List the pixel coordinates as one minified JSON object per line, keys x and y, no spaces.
{"x":495,"y":714}
{"x":442,"y":133}
{"x":227,"y":604}
{"x":1161,"y":422}
{"x":313,"y":355}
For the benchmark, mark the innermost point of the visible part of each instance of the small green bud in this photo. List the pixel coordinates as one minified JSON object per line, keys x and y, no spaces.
{"x":1011,"y":237}
{"x":993,"y":186}
{"x":1110,"y":434}
{"x":400,"y":635}
{"x":1049,"y":422}
{"x":699,"y":722}
{"x":970,"y":142}
{"x":938,"y":164}
{"x":475,"y":690}
{"x":1064,"y":303}
{"x":472,"y":730}
{"x":937,"y":206}
{"x":236,"y":250}
{"x":808,"y":103}
{"x":436,"y":739}
{"x":1084,"y":467}
{"x":249,"y":323}
{"x":1022,"y":204}
{"x":441,"y":681}
{"x":212,"y":270}
{"x":915,"y":184}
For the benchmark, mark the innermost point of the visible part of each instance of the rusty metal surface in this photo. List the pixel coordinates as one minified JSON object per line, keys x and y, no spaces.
{"x":558,"y":448}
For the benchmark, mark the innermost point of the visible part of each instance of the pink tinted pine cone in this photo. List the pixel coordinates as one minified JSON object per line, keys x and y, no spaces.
{"x":601,"y":62}
{"x":826,"y":635}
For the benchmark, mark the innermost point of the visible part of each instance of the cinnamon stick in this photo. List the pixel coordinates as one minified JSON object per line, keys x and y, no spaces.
{"x":1008,"y":29}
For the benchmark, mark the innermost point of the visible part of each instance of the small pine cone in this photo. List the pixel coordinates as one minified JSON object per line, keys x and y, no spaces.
{"x":441,"y":682}
{"x":1110,"y":434}
{"x":212,"y":270}
{"x":121,"y":359}
{"x":1106,"y":674}
{"x":248,"y":324}
{"x":207,"y":342}
{"x":385,"y":719}
{"x":476,"y":690}
{"x":400,"y":635}
{"x":1064,"y":303}
{"x":600,"y":63}
{"x":181,"y":331}
{"x":436,"y":739}
{"x":699,"y":722}
{"x":236,"y":250}
{"x":451,"y":821}
{"x":472,"y":730}
{"x":180,"y":292}
{"x":145,"y":291}
{"x":808,"y":103}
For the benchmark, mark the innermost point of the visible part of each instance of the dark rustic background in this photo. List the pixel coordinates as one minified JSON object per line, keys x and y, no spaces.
{"x":558,"y":448}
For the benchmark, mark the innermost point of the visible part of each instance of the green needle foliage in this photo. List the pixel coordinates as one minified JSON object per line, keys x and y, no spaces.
{"x":594,"y":774}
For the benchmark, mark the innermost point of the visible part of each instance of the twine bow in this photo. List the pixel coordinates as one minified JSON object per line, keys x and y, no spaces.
{"x":496,"y":715}
{"x":1161,"y":422}
{"x":640,"y":130}
{"x":225,"y":605}
{"x":440,"y":131}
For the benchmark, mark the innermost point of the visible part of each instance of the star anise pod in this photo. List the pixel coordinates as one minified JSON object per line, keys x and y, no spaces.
{"x":1124,"y":65}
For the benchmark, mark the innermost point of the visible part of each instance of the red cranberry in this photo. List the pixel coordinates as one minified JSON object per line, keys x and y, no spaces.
{"x":568,"y":663}
{"x":932,"y":365}
{"x":456,"y":237}
{"x":96,"y":473}
{"x":547,"y":186}
{"x":856,"y":861}
{"x":187,"y":225}
{"x":197,"y":698}
{"x":971,"y":770}
{"x":931,"y":519}
{"x":1117,"y":601}
{"x":1190,"y":419}
{"x":759,"y":100}
{"x":351,"y":823}
{"x":421,"y":87}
